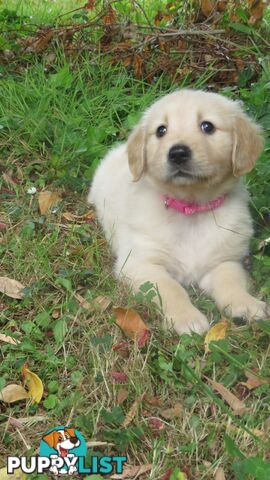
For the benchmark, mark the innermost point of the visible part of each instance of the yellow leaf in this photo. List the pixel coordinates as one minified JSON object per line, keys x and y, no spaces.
{"x":13,"y":393}
{"x":17,"y":475}
{"x":34,"y":384}
{"x":46,"y":200}
{"x":10,"y":287}
{"x":217,"y":332}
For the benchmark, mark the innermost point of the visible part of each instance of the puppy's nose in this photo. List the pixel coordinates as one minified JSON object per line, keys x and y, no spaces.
{"x":179,"y":154}
{"x":73,"y":440}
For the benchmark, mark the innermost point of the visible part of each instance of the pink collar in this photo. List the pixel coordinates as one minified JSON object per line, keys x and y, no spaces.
{"x":189,"y":208}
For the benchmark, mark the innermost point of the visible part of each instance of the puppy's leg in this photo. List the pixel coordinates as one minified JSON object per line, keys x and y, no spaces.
{"x":176,"y":305}
{"x":227,"y":285}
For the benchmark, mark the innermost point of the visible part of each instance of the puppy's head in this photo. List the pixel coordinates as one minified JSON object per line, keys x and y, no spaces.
{"x":192,"y":137}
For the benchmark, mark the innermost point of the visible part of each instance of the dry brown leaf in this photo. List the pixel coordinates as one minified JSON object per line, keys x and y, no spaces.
{"x":138,"y":61}
{"x":130,"y":322}
{"x":90,"y":5}
{"x":132,"y":472}
{"x":86,"y":217}
{"x":217,"y":332}
{"x":207,"y":7}
{"x":253,"y":381}
{"x":237,"y":405}
{"x":46,"y":200}
{"x":12,"y":288}
{"x":220,"y":475}
{"x":256,"y":9}
{"x":8,"y":339}
{"x":122,"y":396}
{"x":119,"y":377}
{"x":102,"y":303}
{"x":99,"y":303}
{"x":132,"y":412}
{"x":13,"y":393}
{"x":41,"y":43}
{"x":8,"y":179}
{"x":153,"y":401}
{"x":173,"y":412}
{"x":110,"y":16}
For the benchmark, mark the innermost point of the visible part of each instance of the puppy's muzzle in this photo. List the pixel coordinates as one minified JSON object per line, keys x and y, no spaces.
{"x":179,"y":154}
{"x":74,"y":440}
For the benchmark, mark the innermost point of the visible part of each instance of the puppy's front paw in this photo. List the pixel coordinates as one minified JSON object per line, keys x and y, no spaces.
{"x":250,"y":309}
{"x":189,"y":320}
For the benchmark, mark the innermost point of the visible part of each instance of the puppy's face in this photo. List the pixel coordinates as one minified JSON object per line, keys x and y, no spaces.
{"x":192,"y":137}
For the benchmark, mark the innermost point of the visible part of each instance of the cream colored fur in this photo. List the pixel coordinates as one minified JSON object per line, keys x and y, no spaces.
{"x":163,"y":246}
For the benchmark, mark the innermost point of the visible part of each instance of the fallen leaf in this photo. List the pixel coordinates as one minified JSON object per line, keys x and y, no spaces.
{"x":144,"y":338}
{"x":33,"y":383}
{"x":17,"y":475}
{"x":122,"y":348}
{"x":217,"y":332}
{"x":132,"y":472}
{"x":131,"y":323}
{"x":11,"y":288}
{"x":90,"y":5}
{"x":28,"y":421}
{"x":220,"y":475}
{"x":119,"y":377}
{"x":256,"y":9}
{"x":156,"y":424}
{"x":173,"y":412}
{"x":13,"y":393}
{"x":237,"y":405}
{"x":9,"y":180}
{"x":132,"y":412}
{"x":99,"y":303}
{"x":110,"y":16}
{"x":46,"y":200}
{"x":207,"y":7}
{"x":86,"y":217}
{"x":121,"y":396}
{"x":253,"y":381}
{"x":167,"y":474}
{"x":138,"y":61}
{"x":8,"y":339}
{"x":41,"y":43}
{"x":153,"y":401}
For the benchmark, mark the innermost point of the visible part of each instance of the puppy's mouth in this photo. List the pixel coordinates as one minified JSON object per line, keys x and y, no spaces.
{"x":181,"y":173}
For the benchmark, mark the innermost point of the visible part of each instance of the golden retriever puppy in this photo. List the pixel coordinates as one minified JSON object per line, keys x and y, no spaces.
{"x":173,"y":206}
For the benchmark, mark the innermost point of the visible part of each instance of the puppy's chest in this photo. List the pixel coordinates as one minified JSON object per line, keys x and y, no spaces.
{"x":196,"y":245}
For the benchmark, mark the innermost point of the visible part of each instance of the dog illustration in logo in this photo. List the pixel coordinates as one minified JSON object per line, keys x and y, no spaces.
{"x":62,"y":441}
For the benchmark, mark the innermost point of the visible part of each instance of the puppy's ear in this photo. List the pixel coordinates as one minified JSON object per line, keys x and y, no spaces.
{"x":49,"y":439}
{"x":247,"y":144}
{"x":137,"y":152}
{"x":70,"y":431}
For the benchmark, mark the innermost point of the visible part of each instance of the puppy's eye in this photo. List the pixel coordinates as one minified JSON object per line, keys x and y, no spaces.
{"x":207,"y":127}
{"x":161,"y":131}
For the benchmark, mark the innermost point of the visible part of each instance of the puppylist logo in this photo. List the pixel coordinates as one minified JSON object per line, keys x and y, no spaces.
{"x":63,"y":451}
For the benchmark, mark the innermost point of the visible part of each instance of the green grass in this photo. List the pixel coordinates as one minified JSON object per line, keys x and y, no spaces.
{"x":56,"y":124}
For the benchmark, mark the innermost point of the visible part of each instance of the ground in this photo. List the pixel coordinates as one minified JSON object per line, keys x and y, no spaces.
{"x":156,"y":401}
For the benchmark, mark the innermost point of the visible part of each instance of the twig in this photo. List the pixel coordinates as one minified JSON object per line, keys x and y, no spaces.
{"x":192,"y":32}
